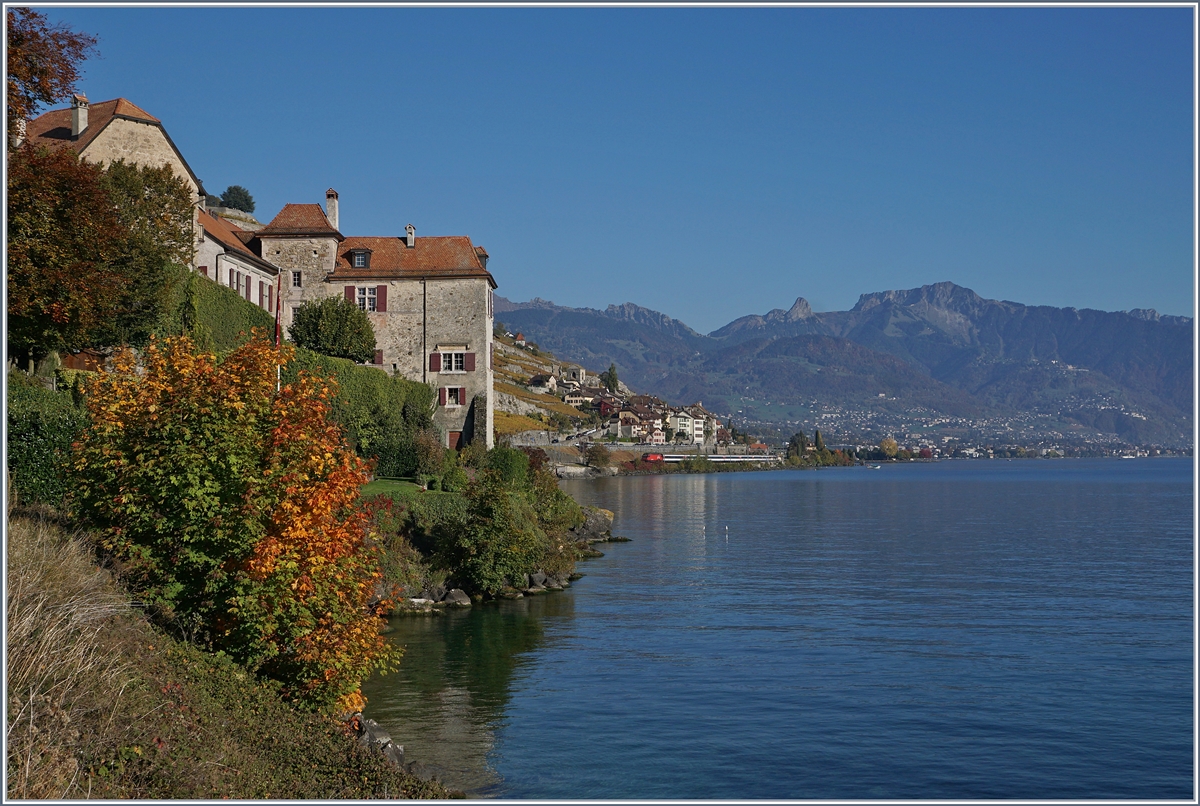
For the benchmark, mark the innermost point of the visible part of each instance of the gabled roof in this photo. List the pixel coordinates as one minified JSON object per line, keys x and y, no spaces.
{"x":300,"y":219}
{"x":449,"y":256}
{"x":228,"y":237}
{"x":52,"y":130}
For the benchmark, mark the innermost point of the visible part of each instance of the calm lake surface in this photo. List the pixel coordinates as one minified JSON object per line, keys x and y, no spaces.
{"x":968,"y":629}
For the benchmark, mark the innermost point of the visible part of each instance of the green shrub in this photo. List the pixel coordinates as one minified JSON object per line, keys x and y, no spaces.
{"x":41,"y":427}
{"x":334,"y":326}
{"x":510,"y":464}
{"x":405,"y":570}
{"x":384,"y":415}
{"x":498,"y":540}
{"x":430,"y":511}
{"x":455,"y":479}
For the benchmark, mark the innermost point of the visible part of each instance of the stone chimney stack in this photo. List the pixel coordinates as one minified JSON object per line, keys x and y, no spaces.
{"x":18,"y":135}
{"x":412,"y":235}
{"x":331,"y":207}
{"x":79,"y":114}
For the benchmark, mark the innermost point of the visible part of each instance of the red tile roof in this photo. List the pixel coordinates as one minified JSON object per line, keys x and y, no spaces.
{"x":52,"y":129}
{"x":300,"y":219}
{"x":227,"y":236}
{"x":391,"y":258}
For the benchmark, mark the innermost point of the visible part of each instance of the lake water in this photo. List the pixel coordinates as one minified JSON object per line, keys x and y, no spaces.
{"x":968,"y":629}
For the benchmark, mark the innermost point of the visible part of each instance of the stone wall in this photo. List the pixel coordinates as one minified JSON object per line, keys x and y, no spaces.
{"x":312,"y":257}
{"x":139,"y":143}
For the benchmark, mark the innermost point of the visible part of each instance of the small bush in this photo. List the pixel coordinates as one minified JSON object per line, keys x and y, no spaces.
{"x":334,"y":326}
{"x":41,"y":427}
{"x":455,"y":479}
{"x":510,"y":464}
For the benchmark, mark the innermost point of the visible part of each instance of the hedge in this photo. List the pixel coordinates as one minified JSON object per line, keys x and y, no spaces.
{"x":41,"y":427}
{"x":382,"y":413}
{"x":225,"y":317}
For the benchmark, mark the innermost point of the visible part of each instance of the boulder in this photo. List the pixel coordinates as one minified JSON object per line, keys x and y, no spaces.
{"x":537,"y":580}
{"x":597,"y":525}
{"x":373,"y":737}
{"x":458,"y":598}
{"x":536,"y":589}
{"x":436,"y":594}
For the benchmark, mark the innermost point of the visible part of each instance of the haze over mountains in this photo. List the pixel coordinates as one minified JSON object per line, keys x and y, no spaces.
{"x":935,"y":361}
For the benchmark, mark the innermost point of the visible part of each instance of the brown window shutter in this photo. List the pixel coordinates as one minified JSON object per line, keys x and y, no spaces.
{"x":351,"y":293}
{"x":442,"y":396}
{"x":379,"y":356}
{"x":262,"y":293}
{"x":435,"y":362}
{"x":204,"y":270}
{"x":270,"y":298}
{"x":469,"y":362}
{"x":462,"y":395}
{"x":381,"y":298}
{"x":249,"y":282}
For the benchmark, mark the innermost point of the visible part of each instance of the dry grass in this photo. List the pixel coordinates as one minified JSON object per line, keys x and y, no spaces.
{"x":103,"y":705}
{"x":62,"y":675}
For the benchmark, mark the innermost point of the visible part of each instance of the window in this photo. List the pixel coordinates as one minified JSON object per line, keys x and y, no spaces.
{"x":452,"y":396}
{"x":367,"y":299}
{"x":296,"y":281}
{"x":454,"y":362}
{"x":360,"y":260}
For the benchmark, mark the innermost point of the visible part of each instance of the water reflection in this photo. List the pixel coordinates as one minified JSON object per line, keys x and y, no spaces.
{"x":449,"y":696}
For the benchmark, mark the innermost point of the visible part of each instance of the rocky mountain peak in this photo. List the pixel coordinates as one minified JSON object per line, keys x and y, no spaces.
{"x":945,"y":296}
{"x":636,"y":313}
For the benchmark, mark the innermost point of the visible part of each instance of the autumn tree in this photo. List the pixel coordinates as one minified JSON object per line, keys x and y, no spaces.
{"x":889,"y":447}
{"x":596,"y":455}
{"x":65,"y":283}
{"x":334,"y":326}
{"x":88,"y":250}
{"x":237,"y":197}
{"x":231,"y":510}
{"x":43,"y":64}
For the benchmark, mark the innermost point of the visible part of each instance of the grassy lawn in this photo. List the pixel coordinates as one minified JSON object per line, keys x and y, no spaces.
{"x":391,"y":487}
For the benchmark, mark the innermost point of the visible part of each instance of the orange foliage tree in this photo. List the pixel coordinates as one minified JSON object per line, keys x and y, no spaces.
{"x":232,"y":507}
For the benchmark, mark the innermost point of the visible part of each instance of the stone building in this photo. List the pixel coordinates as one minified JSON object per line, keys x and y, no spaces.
{"x":429,"y":300}
{"x":108,"y":131}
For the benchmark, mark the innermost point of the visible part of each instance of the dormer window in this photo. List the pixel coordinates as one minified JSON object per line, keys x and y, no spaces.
{"x":360,"y":258}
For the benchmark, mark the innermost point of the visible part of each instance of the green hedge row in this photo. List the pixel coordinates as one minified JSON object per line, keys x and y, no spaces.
{"x":382,"y":413}
{"x":224,"y":317}
{"x":42,"y":424}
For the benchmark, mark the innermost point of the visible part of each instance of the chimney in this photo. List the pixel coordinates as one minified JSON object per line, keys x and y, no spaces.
{"x":331,"y":211}
{"x":79,"y":114}
{"x":18,"y":135}
{"x":412,"y":235}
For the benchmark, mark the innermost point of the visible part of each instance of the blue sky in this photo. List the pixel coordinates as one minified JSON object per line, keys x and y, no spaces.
{"x":707,"y":163}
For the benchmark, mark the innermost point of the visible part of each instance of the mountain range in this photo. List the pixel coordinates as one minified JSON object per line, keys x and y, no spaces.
{"x":939,"y":359}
